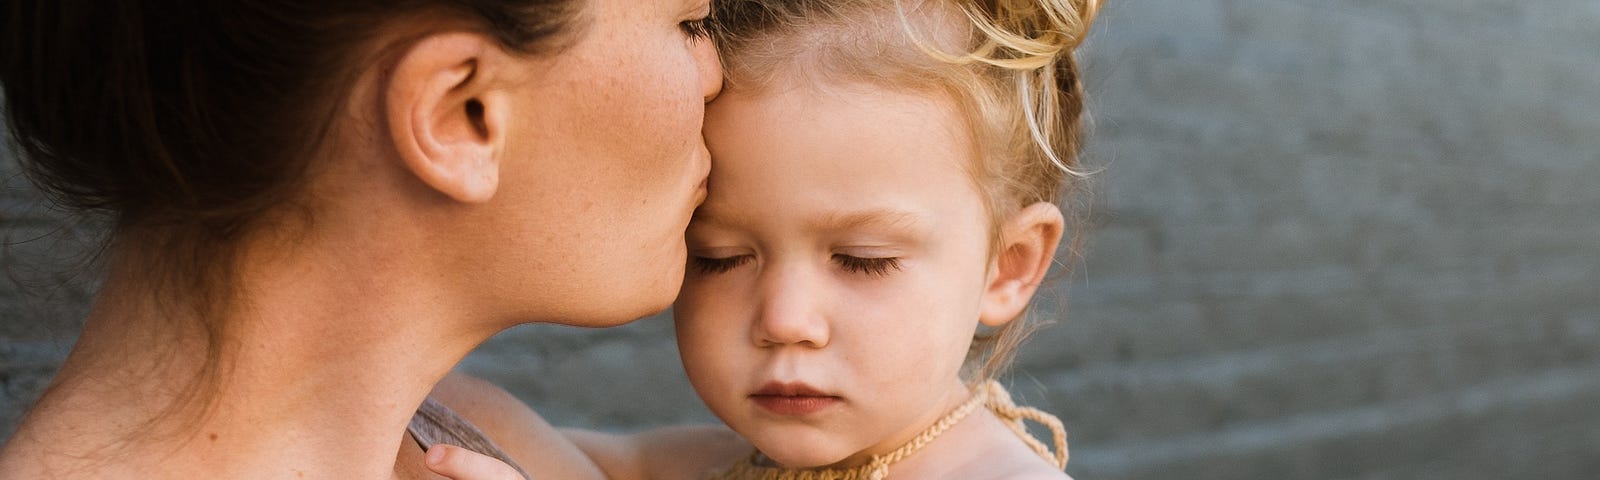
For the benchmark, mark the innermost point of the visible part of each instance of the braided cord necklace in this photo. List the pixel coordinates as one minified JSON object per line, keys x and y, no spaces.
{"x":989,"y":394}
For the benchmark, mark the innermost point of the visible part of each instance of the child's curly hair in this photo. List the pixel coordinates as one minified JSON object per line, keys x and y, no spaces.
{"x":1007,"y":64}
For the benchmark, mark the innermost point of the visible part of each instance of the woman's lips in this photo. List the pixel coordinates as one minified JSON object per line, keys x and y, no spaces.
{"x":793,"y":399}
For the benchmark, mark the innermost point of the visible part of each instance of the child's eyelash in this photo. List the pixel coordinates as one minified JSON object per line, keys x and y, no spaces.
{"x":695,"y":29}
{"x":713,"y":266}
{"x":871,"y":266}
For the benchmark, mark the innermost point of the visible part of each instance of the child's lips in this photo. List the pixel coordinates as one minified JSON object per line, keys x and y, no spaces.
{"x":793,"y":399}
{"x":791,"y":389}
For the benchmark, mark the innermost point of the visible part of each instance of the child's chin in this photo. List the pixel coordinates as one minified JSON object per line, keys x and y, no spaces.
{"x":798,"y":456}
{"x":798,"y":446}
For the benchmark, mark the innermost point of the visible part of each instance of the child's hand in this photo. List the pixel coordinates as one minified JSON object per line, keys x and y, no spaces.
{"x":461,"y":464}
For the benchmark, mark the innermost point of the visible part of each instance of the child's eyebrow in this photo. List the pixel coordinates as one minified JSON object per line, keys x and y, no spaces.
{"x":892,"y":220}
{"x":876,"y":218}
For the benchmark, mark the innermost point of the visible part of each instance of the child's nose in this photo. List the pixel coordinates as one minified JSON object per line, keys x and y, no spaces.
{"x":791,"y":313}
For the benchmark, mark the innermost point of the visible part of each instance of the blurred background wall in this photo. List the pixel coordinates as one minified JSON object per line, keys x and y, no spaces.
{"x":1332,"y":239}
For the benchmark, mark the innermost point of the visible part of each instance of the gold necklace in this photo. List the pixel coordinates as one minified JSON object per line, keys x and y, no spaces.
{"x":989,"y":394}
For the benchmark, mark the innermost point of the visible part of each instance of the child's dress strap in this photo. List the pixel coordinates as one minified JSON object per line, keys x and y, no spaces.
{"x":435,"y":423}
{"x":999,"y":401}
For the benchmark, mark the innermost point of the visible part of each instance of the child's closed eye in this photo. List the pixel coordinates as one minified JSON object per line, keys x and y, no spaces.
{"x":713,"y":265}
{"x":877,"y":267}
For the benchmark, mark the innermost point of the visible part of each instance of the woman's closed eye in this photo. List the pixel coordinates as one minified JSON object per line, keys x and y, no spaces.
{"x":714,"y":265}
{"x":695,"y":29}
{"x":877,"y":267}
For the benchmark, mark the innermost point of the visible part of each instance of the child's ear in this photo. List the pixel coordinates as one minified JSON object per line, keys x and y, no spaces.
{"x":1029,"y":240}
{"x":445,"y":117}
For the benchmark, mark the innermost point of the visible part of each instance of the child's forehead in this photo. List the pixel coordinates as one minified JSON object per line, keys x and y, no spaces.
{"x":863,"y":161}
{"x":837,"y":129}
{"x":839,"y":100}
{"x":902,"y":219}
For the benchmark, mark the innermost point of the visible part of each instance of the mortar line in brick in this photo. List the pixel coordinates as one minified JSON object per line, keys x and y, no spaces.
{"x":1229,"y":365}
{"x":1126,"y":458}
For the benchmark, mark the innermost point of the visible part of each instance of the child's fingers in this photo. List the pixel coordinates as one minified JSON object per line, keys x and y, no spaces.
{"x":461,"y":464}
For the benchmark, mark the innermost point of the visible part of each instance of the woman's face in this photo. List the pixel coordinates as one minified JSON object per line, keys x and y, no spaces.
{"x":605,"y":163}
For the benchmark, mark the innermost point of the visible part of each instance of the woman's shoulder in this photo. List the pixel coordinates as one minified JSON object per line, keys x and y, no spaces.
{"x":525,"y":436}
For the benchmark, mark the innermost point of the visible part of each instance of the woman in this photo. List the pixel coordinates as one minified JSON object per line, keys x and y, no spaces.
{"x":320,"y":207}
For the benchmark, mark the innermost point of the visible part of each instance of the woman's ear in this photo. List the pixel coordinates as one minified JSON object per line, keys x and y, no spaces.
{"x":444,"y":115}
{"x":1028,"y":246}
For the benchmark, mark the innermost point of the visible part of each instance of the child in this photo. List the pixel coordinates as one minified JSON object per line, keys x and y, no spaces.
{"x":885,"y":178}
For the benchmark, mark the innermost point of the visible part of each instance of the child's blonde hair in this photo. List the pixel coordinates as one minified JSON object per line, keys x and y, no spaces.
{"x":1007,"y":64}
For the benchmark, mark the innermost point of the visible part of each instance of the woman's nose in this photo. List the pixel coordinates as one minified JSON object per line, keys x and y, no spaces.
{"x":705,"y":56}
{"x":791,"y":310}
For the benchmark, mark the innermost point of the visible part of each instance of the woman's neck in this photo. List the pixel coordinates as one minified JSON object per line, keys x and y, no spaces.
{"x":316,"y":376}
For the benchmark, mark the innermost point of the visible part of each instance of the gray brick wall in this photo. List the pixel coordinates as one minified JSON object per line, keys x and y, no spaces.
{"x":1343,"y":239}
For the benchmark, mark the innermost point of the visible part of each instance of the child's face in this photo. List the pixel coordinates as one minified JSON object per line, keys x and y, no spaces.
{"x":836,"y":270}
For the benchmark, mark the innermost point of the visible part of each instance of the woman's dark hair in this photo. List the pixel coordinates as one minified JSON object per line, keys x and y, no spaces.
{"x":202,"y":111}
{"x":188,"y":120}
{"x":195,"y":116}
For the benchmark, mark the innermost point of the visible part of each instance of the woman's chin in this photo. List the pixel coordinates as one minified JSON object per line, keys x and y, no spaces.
{"x":624,"y":317}
{"x":621,"y":309}
{"x":643,"y":301}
